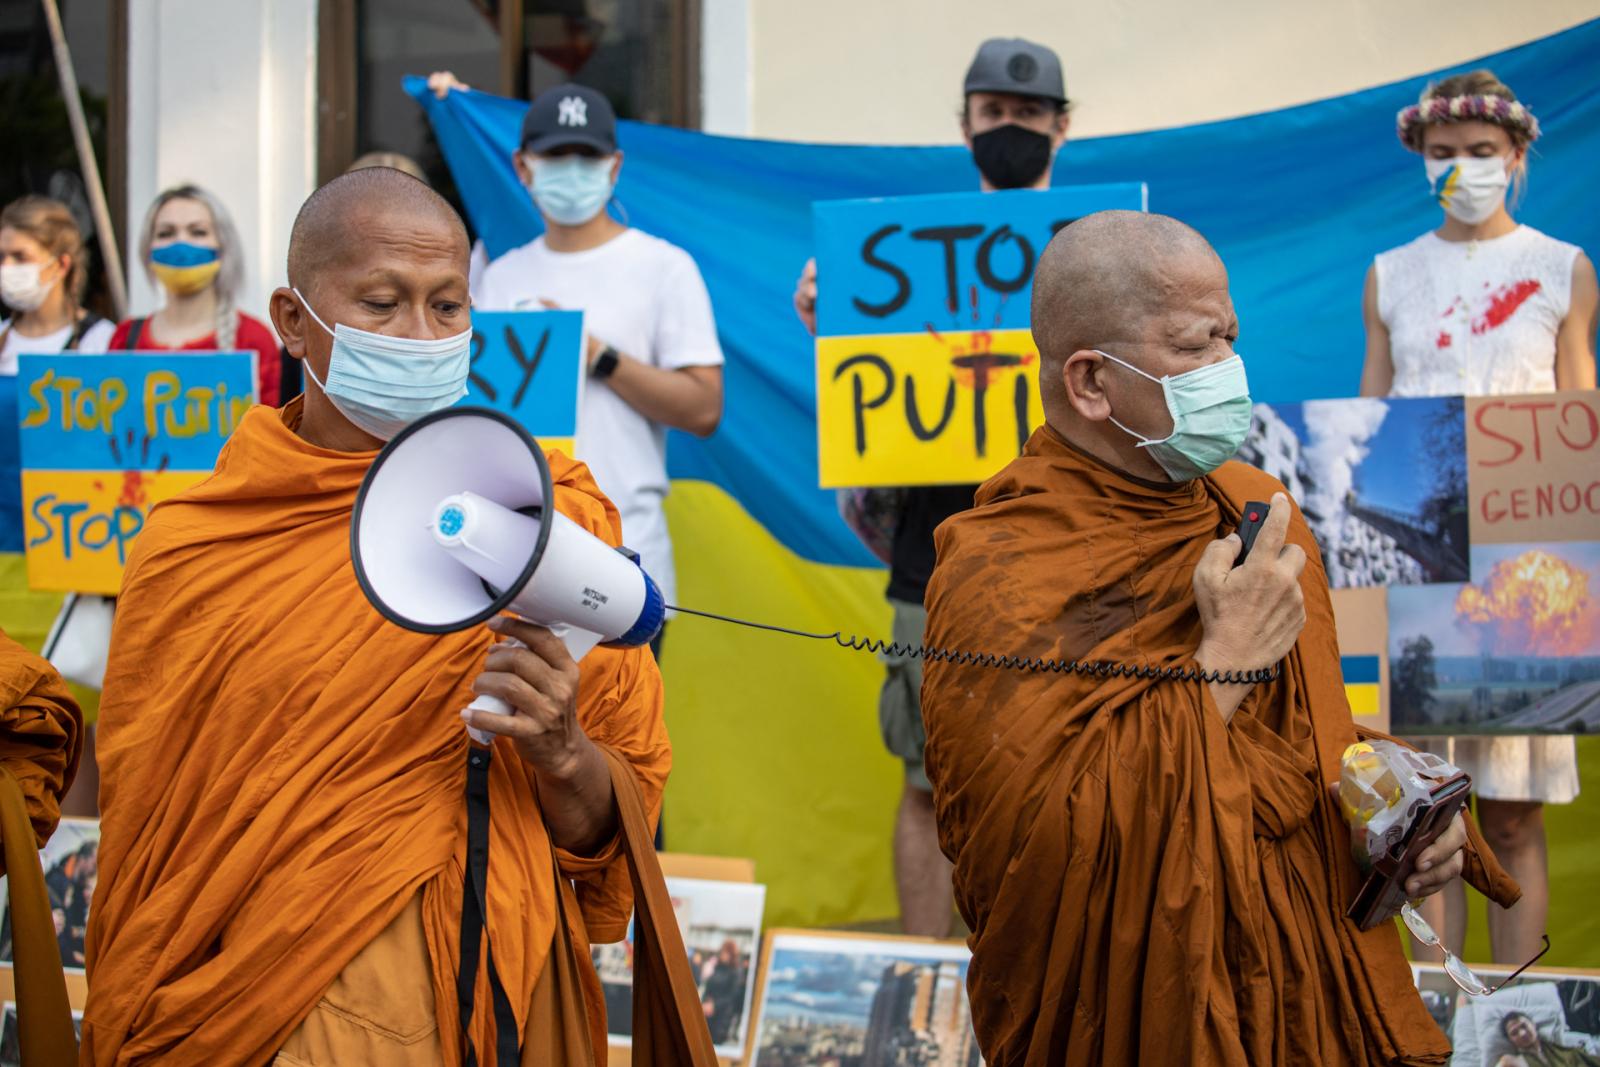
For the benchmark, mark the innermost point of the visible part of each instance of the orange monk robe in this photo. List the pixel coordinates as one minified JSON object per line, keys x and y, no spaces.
{"x":1144,"y":883}
{"x":282,"y":771}
{"x":41,"y":735}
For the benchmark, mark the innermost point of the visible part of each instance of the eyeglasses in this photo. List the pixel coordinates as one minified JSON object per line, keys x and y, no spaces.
{"x":1459,"y":972}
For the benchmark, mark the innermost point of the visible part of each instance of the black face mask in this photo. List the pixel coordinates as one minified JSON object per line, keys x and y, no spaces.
{"x":1011,"y":157}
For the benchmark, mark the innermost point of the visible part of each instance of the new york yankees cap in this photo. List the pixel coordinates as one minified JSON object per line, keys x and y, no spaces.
{"x":1012,"y":65}
{"x":570,"y":115}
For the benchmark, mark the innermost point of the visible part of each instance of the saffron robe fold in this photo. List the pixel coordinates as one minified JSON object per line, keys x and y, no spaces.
{"x":41,"y":735}
{"x":282,"y":770}
{"x":1145,"y":883}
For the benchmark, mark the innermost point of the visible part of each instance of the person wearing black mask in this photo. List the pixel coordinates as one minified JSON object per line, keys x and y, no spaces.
{"x":1014,"y":119}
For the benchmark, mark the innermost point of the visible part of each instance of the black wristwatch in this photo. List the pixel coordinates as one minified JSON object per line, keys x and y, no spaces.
{"x":605,"y":364}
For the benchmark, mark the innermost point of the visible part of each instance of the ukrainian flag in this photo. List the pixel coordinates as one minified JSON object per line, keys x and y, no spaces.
{"x":1361,"y":675}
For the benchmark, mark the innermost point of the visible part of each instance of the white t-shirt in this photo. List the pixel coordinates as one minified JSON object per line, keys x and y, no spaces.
{"x":93,"y":342}
{"x":645,"y":298}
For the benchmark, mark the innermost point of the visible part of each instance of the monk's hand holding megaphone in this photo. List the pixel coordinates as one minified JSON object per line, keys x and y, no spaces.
{"x":535,"y":675}
{"x":1251,"y":615}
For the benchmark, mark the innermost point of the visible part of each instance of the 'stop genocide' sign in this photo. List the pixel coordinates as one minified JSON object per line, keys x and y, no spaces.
{"x":926,"y":370}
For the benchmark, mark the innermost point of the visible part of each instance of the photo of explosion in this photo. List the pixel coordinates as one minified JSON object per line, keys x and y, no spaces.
{"x":1515,"y":652}
{"x":1382,"y":483}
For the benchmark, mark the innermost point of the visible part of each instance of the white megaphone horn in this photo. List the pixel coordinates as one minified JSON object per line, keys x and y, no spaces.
{"x":454,"y":524}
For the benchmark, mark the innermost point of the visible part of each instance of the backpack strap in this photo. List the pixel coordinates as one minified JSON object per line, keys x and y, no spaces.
{"x":135,"y":331}
{"x":89,"y":321}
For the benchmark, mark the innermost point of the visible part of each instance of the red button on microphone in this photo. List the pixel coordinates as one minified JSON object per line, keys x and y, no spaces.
{"x":1255,"y":516}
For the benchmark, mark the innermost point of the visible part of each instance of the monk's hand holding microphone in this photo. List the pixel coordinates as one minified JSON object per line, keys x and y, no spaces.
{"x":1251,"y":615}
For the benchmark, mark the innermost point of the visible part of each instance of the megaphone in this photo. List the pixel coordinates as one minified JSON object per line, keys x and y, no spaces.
{"x":454,"y":524}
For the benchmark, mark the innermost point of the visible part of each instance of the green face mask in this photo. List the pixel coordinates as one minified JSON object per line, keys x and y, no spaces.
{"x":1210,"y":409}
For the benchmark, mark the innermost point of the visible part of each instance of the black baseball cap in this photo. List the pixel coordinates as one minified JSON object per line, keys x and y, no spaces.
{"x":570,"y":115}
{"x":1012,"y":65}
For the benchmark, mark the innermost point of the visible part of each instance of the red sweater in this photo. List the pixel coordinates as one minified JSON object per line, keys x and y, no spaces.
{"x":253,"y":335}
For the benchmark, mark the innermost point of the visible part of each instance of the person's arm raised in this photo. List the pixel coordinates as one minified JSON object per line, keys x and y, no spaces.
{"x":1250,"y":615}
{"x":540,"y":682}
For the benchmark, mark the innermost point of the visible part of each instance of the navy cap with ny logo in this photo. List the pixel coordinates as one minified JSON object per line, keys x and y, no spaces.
{"x":570,"y":115}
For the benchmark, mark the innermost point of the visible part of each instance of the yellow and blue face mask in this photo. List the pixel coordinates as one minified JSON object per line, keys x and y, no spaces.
{"x":184,"y":268}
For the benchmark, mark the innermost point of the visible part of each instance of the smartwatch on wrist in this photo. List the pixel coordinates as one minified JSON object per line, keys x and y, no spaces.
{"x":605,"y":364}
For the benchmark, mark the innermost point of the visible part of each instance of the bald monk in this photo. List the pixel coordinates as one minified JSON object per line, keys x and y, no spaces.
{"x":284,"y":837}
{"x":1155,"y":871}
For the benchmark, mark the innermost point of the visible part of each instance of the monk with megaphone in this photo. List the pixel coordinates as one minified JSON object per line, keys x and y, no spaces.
{"x":304,"y":856}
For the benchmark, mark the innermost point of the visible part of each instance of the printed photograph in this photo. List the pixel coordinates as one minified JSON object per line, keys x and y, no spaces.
{"x":70,"y":873}
{"x":1382,"y":483}
{"x":1516,"y":652}
{"x":1539,"y":1021}
{"x":721,"y":927}
{"x":11,"y":1042}
{"x":867,"y":1002}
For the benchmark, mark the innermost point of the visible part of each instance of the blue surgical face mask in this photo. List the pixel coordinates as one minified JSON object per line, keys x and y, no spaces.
{"x":571,"y":190}
{"x":1210,"y":409}
{"x":382,"y":384}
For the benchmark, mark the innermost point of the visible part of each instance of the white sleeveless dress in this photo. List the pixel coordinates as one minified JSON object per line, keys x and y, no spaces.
{"x":1480,"y":318}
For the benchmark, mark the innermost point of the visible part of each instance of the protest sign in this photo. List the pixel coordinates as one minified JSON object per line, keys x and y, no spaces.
{"x":1534,"y":468}
{"x":530,"y":365}
{"x":106,"y":437}
{"x":1461,"y":539}
{"x":927,"y":373}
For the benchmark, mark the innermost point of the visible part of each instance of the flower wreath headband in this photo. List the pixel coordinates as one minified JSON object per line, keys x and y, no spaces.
{"x":1510,"y":114}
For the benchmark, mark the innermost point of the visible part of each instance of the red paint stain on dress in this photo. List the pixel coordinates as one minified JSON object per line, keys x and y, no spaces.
{"x":1442,"y":341}
{"x":1503,"y":303}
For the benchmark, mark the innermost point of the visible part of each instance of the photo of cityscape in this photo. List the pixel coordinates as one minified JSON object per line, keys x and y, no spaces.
{"x":1382,"y":483}
{"x":839,"y":1001}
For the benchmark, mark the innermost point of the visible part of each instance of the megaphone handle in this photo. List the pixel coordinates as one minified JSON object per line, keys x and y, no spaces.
{"x":492,"y":704}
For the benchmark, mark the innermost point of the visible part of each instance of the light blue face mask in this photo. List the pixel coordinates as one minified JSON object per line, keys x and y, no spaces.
{"x":382,"y":384}
{"x":571,"y":190}
{"x":1210,"y":409}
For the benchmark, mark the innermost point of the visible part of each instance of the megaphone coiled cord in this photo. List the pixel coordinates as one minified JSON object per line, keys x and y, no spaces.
{"x":1000,"y":661}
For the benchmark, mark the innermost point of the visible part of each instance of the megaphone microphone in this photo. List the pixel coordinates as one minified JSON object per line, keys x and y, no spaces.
{"x":454,"y":524}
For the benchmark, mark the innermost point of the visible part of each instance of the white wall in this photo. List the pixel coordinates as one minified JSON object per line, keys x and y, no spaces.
{"x":222,"y":93}
{"x":725,"y":75}
{"x":889,"y":71}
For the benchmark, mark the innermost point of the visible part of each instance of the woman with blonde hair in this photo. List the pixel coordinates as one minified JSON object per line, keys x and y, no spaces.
{"x":1484,"y":305}
{"x":43,"y":275}
{"x":189,"y":246}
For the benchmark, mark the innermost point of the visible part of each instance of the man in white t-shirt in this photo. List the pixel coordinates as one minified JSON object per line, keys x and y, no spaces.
{"x":654,"y":359}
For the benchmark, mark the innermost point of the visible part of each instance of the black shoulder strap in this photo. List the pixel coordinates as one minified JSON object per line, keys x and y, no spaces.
{"x":135,"y":331}
{"x":474,"y":918}
{"x":89,"y":321}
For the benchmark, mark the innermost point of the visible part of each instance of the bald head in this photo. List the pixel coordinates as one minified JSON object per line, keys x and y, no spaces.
{"x":373,"y":250}
{"x":1104,"y":275}
{"x":1144,"y":289}
{"x":338,"y":222}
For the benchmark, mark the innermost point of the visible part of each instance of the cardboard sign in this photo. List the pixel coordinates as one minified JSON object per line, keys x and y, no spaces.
{"x":927,"y":373}
{"x":1534,"y":468}
{"x":106,"y":437}
{"x":530,"y":365}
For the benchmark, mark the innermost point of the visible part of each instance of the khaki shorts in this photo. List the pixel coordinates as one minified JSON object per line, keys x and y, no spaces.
{"x":900,"y":702}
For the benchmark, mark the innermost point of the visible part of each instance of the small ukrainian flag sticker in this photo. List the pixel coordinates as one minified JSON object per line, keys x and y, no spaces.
{"x":1361,"y":683}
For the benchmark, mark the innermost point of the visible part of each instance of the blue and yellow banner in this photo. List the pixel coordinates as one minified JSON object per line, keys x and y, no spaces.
{"x":104,"y":438}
